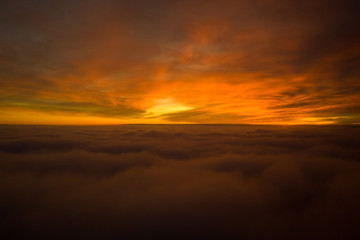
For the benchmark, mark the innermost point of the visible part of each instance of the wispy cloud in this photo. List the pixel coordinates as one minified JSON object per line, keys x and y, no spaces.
{"x":254,"y":58}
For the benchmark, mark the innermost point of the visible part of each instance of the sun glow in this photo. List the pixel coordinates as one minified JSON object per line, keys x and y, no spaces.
{"x":165,"y":106}
{"x":181,"y":66}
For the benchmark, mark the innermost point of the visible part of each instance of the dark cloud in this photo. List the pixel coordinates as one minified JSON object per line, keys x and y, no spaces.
{"x":180,"y":181}
{"x":74,"y":107}
{"x":199,"y":116}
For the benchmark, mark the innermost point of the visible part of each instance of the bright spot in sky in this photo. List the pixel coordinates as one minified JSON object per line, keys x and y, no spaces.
{"x":165,"y":106}
{"x":319,"y":120}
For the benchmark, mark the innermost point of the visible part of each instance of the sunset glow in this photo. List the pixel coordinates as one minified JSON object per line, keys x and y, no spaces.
{"x":180,"y":119}
{"x":253,"y":62}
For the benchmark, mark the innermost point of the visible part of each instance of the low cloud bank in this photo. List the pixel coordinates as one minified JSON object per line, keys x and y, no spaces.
{"x":180,"y":182}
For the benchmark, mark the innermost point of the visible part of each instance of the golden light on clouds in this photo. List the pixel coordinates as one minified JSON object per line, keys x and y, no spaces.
{"x":165,"y":106}
{"x":252,"y":62}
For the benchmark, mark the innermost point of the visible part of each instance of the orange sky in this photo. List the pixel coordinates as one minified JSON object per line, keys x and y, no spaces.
{"x":114,"y":62}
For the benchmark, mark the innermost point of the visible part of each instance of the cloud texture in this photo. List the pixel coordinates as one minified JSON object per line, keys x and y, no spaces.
{"x":180,"y":182}
{"x":231,"y":61}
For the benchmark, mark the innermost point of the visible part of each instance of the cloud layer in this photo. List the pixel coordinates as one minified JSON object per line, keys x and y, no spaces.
{"x":181,"y":181}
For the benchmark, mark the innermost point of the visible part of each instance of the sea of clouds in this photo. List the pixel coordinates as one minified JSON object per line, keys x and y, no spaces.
{"x":180,"y":182}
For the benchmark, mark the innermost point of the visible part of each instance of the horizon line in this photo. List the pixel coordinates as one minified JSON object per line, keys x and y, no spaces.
{"x":244,"y":124}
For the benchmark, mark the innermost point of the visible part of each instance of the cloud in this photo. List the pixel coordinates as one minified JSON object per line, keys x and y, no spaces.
{"x":121,"y":109}
{"x":201,"y":116}
{"x":180,"y":181}
{"x":250,"y":54}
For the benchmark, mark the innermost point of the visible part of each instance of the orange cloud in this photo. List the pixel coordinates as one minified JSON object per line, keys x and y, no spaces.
{"x":227,"y":62}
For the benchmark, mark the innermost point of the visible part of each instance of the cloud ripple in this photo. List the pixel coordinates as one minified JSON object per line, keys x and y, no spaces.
{"x":180,"y":182}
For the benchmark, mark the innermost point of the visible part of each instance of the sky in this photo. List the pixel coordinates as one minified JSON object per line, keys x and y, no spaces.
{"x":165,"y":61}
